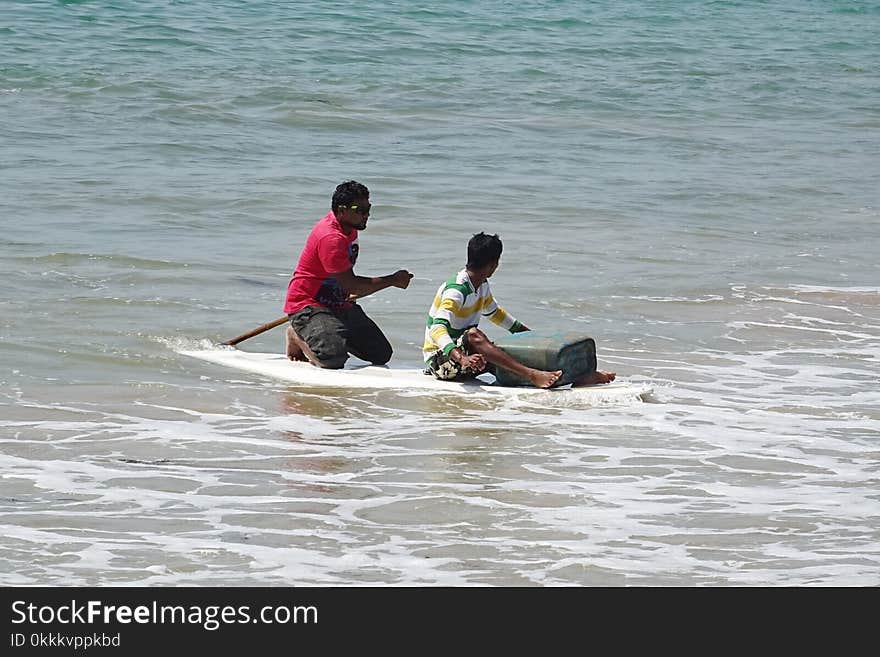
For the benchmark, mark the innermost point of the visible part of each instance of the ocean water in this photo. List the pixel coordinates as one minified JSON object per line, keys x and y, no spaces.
{"x":694,"y":184}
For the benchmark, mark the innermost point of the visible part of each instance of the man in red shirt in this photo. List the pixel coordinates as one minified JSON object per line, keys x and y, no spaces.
{"x":326,"y":325}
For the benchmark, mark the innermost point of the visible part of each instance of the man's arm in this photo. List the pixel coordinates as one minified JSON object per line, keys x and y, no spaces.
{"x":497,"y":315}
{"x":361,"y":286}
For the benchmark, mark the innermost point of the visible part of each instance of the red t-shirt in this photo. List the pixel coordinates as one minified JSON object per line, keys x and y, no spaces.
{"x":327,"y":251}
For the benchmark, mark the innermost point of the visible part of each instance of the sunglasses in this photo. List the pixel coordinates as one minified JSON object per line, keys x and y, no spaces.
{"x":362,"y":210}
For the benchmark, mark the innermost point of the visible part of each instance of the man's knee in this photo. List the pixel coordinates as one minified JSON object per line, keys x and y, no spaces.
{"x":476,"y":338}
{"x":334,"y":361}
{"x":381,"y":354}
{"x":365,"y":338}
{"x":378,"y":351}
{"x":330,"y":348}
{"x":325,"y":336}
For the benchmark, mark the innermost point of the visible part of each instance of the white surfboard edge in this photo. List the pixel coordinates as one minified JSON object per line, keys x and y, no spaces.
{"x":278,"y":366}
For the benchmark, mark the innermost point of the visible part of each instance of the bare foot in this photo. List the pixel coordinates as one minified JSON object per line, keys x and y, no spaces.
{"x":542,"y":379}
{"x":595,"y":378}
{"x":294,"y":350}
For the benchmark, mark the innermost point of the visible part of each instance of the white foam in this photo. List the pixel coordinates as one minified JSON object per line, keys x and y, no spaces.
{"x":754,"y":465}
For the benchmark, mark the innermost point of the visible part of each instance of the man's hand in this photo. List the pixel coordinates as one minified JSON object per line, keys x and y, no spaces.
{"x":474,"y":362}
{"x":401,"y":279}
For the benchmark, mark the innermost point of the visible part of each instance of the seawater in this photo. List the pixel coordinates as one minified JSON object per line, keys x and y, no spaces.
{"x":694,"y":184}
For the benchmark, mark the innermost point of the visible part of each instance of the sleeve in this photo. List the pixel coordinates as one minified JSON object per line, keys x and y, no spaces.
{"x":439,"y":333}
{"x":497,"y":315}
{"x":333,"y":254}
{"x":442,"y":316}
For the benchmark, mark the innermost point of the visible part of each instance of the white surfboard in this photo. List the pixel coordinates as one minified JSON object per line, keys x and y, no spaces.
{"x":278,"y":366}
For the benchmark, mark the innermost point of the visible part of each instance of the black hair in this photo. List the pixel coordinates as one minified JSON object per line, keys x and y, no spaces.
{"x":347,"y":193}
{"x":483,"y":250}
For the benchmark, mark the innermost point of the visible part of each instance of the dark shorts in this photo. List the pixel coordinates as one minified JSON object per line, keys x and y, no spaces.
{"x":334,"y":334}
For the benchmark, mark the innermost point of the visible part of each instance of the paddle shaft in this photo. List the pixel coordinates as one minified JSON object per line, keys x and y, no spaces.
{"x":256,"y":331}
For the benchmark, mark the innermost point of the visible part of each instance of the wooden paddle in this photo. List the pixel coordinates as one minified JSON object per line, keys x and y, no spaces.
{"x":256,"y":331}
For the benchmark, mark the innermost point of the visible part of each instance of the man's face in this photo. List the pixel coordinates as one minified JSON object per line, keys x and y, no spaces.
{"x":355,"y":214}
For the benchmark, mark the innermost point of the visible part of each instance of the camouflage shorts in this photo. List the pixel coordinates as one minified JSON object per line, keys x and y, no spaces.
{"x":446,"y":369}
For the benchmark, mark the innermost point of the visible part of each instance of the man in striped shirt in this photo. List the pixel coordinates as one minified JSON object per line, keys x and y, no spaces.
{"x":454,"y":346}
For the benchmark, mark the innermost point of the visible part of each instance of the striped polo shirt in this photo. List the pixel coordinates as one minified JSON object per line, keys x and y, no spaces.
{"x":457,"y":307}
